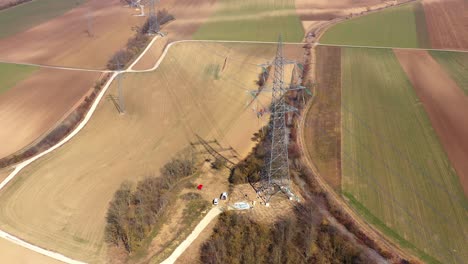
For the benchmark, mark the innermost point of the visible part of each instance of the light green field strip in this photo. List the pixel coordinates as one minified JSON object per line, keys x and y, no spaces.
{"x":11,"y":74}
{"x":22,"y":17}
{"x":395,"y":172}
{"x":256,"y":20}
{"x":456,"y":65}
{"x":402,"y":26}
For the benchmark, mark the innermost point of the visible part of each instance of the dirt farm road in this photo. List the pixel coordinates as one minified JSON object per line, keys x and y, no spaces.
{"x":88,"y":116}
{"x":80,"y":126}
{"x":212,"y":214}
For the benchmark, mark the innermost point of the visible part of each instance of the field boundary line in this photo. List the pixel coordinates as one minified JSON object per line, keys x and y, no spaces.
{"x":82,"y":124}
{"x":22,"y":165}
{"x":55,"y":67}
{"x":143,"y":53}
{"x":37,"y":249}
{"x":384,"y":47}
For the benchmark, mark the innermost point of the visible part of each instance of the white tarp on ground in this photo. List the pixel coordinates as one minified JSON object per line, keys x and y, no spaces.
{"x":241,"y":206}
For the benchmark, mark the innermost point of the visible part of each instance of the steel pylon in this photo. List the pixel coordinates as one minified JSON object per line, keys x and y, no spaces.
{"x":275,"y":177}
{"x":153,"y":27}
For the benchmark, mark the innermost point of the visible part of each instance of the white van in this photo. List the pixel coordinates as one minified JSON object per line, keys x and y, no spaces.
{"x":224,"y":196}
{"x":215,"y":201}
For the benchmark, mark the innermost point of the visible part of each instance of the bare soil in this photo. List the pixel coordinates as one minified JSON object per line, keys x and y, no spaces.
{"x":214,"y":183}
{"x":37,"y":104}
{"x":322,"y":130}
{"x":444,"y":102}
{"x":60,"y":201}
{"x":447,"y":23}
{"x":65,"y":40}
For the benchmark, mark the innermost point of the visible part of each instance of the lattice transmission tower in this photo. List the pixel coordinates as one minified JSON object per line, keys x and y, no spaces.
{"x":153,"y":27}
{"x":120,"y":67}
{"x":275,"y":176}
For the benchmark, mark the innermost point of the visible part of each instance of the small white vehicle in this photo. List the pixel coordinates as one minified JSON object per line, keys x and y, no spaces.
{"x":224,"y":196}
{"x":215,"y":201}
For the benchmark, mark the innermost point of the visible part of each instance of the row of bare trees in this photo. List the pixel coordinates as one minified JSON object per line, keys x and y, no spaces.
{"x":137,"y":43}
{"x":59,"y":132}
{"x":135,"y":209}
{"x":303,"y":238}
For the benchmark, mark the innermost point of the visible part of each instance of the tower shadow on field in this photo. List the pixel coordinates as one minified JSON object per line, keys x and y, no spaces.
{"x":227,"y":155}
{"x":114,"y":100}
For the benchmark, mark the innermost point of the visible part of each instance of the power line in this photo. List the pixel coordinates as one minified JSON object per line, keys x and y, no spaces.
{"x":275,"y":176}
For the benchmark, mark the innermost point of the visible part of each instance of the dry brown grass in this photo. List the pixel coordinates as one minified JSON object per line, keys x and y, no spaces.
{"x":60,"y":201}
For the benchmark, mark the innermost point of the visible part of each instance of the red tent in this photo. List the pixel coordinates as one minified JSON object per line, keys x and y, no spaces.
{"x":200,"y":186}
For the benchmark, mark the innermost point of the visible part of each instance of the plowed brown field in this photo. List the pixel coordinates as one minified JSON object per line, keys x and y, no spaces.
{"x":36,"y":104}
{"x":447,"y":23}
{"x":445,"y":103}
{"x":64,"y":40}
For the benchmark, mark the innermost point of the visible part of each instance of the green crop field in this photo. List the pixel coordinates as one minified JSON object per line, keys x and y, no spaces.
{"x":402,"y":26}
{"x":25,"y":16}
{"x":11,"y":74}
{"x":395,"y":172}
{"x":456,"y":65}
{"x":260,"y":20}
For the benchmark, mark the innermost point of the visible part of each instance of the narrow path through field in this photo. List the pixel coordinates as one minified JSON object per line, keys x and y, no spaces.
{"x":22,"y":165}
{"x":198,"y":229}
{"x":83,"y":123}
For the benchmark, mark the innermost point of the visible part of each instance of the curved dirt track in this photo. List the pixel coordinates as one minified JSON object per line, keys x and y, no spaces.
{"x":64,"y":152}
{"x":369,"y":230}
{"x":64,"y":40}
{"x":212,"y":214}
{"x":38,"y":103}
{"x":75,"y":132}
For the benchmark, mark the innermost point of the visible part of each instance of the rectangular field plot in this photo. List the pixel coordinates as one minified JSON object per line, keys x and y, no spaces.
{"x":60,"y":201}
{"x":395,"y":172}
{"x":402,"y":26}
{"x":260,"y":20}
{"x":456,"y":65}
{"x":11,"y":74}
{"x":25,"y":16}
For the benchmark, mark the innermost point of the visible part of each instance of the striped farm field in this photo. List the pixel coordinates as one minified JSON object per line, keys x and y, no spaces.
{"x":11,"y":74}
{"x":456,"y":65}
{"x":395,"y":171}
{"x":402,"y":26}
{"x":25,"y":16}
{"x":260,"y":20}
